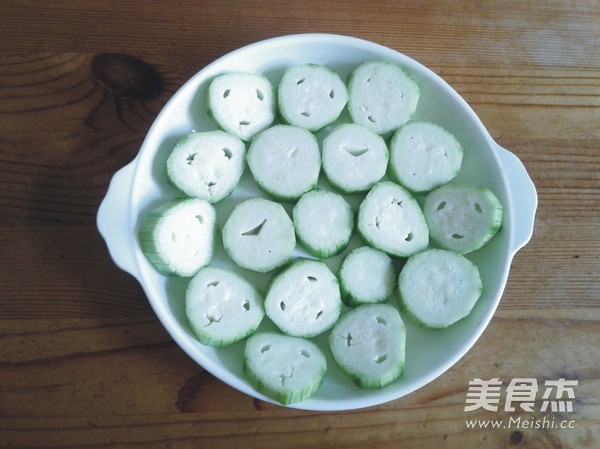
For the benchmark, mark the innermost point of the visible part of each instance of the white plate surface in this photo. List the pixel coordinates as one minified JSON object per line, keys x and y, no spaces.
{"x":142,"y":184}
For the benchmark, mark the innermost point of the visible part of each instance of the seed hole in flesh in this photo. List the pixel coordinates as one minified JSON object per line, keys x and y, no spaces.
{"x":441,"y":205}
{"x":265,"y":348}
{"x":300,"y":81}
{"x":212,"y":284}
{"x":332,"y":94}
{"x":380,"y":358}
{"x":319,"y":313}
{"x":380,"y":320}
{"x":190,"y":158}
{"x":200,"y":219}
{"x":260,"y":95}
{"x":255,"y":230}
{"x":244,"y":123}
{"x":477,"y":207}
{"x":305,"y":353}
{"x":211,"y":319}
{"x":371,"y":119}
{"x":348,"y":339}
{"x":227,"y":152}
{"x":246,"y":305}
{"x":356,"y":152}
{"x":408,"y":237}
{"x":457,"y":236}
{"x":311,"y":278}
{"x":282,"y":306}
{"x":226,"y":93}
{"x":305,"y":113}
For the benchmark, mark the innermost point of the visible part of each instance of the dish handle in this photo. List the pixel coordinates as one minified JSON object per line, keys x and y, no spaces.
{"x":522,"y":197}
{"x":113,"y":219}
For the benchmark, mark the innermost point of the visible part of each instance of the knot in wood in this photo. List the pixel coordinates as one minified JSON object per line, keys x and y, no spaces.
{"x":127,"y":76}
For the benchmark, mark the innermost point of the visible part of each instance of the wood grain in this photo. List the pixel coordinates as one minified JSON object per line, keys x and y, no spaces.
{"x":84,"y":363}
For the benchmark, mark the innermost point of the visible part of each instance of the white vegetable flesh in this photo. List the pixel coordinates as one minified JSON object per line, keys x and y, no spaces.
{"x":311,"y":96}
{"x":366,"y":276}
{"x":207,"y":165}
{"x":222,"y":307}
{"x":304,"y":300}
{"x":259,"y":235}
{"x":285,"y":161}
{"x":381,"y":96}
{"x":178,"y":236}
{"x":242,"y":103}
{"x":390,"y":219}
{"x":462,"y":218}
{"x":354,"y":158}
{"x":368,"y":343}
{"x":438,"y":287}
{"x":324,"y":222}
{"x":284,"y":368}
{"x":424,"y":156}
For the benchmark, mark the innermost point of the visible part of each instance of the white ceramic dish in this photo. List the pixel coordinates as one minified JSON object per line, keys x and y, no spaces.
{"x":142,"y":184}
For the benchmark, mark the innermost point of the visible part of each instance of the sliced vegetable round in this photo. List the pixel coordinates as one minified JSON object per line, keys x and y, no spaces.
{"x":304,"y":299}
{"x":462,"y":218}
{"x":381,"y":96}
{"x":324,"y":222}
{"x":285,"y":161}
{"x":366,"y":276}
{"x":207,"y":165}
{"x":424,"y":156}
{"x":259,"y":235}
{"x":242,"y":103}
{"x":286,"y":369}
{"x":178,"y":236}
{"x":438,"y":287}
{"x":222,"y":307}
{"x":311,"y":96}
{"x":354,"y":158}
{"x":390,"y":219}
{"x":368,"y":344}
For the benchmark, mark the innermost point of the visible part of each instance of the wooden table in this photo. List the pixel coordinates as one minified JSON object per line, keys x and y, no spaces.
{"x":84,"y":362}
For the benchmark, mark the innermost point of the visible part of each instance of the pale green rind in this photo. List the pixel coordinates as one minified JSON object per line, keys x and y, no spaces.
{"x":303,"y":299}
{"x":399,"y":232}
{"x":354,"y":158}
{"x":423,"y":156}
{"x":222,"y":307}
{"x":274,"y":242}
{"x":476,"y":225}
{"x":294,"y":87}
{"x":284,"y":368}
{"x":368,"y":344}
{"x":376,"y":274}
{"x":285,"y":161}
{"x":407,"y":95}
{"x":148,"y":237}
{"x":207,"y":165}
{"x":324,"y":223}
{"x":244,"y":84}
{"x":426,"y":271}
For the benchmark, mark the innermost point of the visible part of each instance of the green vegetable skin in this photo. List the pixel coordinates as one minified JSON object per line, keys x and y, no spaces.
{"x":177,"y":237}
{"x":368,"y":344}
{"x":285,"y":368}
